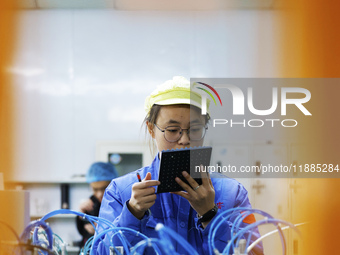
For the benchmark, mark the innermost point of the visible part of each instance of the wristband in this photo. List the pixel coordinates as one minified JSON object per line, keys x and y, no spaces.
{"x":208,"y":215}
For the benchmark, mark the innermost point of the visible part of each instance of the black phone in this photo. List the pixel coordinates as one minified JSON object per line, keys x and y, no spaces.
{"x":174,"y":162}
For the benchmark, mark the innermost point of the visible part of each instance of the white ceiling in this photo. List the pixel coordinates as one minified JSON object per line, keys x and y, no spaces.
{"x":186,"y":5}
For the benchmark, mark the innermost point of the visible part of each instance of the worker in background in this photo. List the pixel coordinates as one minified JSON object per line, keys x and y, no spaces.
{"x":99,"y":177}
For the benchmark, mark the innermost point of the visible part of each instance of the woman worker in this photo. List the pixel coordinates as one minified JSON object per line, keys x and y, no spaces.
{"x":133,"y":204}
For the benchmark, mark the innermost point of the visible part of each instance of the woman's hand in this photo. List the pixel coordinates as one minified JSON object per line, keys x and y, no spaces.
{"x":200,"y":197}
{"x":143,"y":196}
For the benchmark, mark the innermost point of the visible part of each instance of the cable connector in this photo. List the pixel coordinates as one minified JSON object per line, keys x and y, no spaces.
{"x":216,"y":252}
{"x":242,"y":246}
{"x":119,"y":249}
{"x":159,"y":226}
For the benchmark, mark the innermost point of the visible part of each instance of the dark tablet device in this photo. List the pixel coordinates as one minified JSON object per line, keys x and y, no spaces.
{"x":174,"y":162}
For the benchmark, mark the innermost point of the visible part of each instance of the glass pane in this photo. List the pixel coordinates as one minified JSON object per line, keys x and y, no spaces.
{"x":126,"y":162}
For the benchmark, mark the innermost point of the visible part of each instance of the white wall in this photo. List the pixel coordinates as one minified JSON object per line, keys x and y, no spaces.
{"x":82,"y":75}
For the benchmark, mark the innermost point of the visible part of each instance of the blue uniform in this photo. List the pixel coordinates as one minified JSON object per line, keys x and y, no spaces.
{"x":171,"y":210}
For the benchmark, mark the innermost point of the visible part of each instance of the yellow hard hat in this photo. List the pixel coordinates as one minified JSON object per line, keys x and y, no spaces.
{"x":175,"y":91}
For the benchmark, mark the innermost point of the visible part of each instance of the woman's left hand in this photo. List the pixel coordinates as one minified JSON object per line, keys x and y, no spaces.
{"x":200,"y":197}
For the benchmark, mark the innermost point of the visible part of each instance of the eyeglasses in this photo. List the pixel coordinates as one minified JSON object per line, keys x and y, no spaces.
{"x":174,"y":133}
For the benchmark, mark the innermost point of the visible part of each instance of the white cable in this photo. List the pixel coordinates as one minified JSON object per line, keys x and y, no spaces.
{"x":250,"y":247}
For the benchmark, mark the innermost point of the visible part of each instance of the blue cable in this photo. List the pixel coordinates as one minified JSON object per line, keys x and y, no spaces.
{"x":129,"y":230}
{"x":123,"y":236}
{"x":88,"y":245}
{"x":218,"y":221}
{"x":231,"y":242}
{"x":150,"y":242}
{"x":248,"y":228}
{"x":184,"y":243}
{"x":35,"y":224}
{"x":282,"y":237}
{"x":157,"y":249}
{"x":165,"y":233}
{"x":211,"y":235}
{"x":111,"y":244}
{"x":123,"y":241}
{"x":169,"y":245}
{"x":102,"y":220}
{"x":213,"y":228}
{"x":237,"y":222}
{"x":283,"y":241}
{"x":90,"y":218}
{"x":168,"y":242}
{"x":218,"y":225}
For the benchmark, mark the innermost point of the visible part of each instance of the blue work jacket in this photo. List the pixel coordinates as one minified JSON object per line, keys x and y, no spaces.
{"x":171,"y":210}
